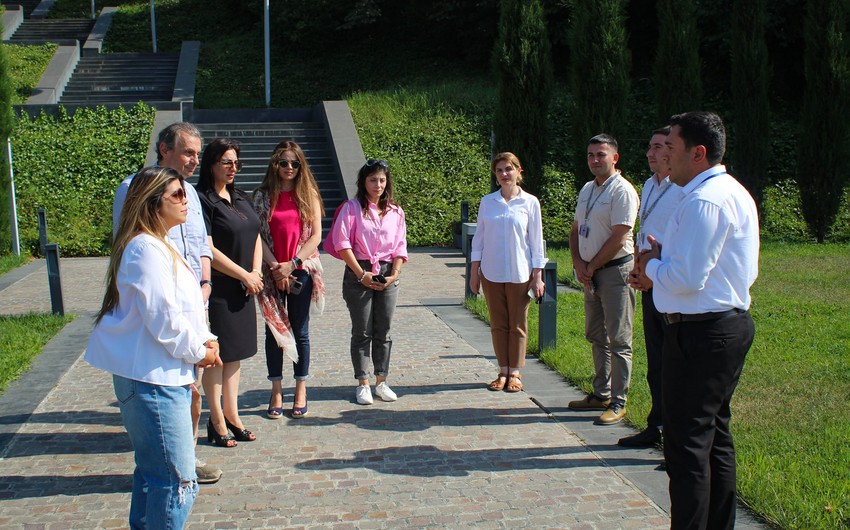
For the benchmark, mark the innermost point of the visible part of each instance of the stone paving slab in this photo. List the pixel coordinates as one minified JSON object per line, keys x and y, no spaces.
{"x":447,"y":454}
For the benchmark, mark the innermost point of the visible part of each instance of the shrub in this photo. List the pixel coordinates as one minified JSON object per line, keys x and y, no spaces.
{"x":71,"y":166}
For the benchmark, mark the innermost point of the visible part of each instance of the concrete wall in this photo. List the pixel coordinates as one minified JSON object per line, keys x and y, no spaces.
{"x":347,"y":150}
{"x":184,"y":84}
{"x":56,"y":76}
{"x":94,"y":43}
{"x":13,"y":17}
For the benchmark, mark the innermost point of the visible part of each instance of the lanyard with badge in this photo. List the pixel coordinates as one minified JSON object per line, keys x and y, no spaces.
{"x":584,"y":228}
{"x":647,"y":211}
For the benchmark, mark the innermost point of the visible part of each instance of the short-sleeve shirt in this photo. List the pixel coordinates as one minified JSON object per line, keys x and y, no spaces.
{"x":600,"y":208}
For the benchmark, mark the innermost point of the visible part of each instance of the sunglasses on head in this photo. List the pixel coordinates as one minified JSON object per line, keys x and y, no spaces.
{"x":177,"y":197}
{"x":294,"y":164}
{"x":232,"y":163}
{"x":377,"y":162}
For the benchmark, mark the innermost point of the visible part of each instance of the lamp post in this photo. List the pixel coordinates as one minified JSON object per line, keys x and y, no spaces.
{"x":153,"y":27}
{"x":267,"y":46}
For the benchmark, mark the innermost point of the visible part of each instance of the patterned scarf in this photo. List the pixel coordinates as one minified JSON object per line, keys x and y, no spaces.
{"x":270,"y":298}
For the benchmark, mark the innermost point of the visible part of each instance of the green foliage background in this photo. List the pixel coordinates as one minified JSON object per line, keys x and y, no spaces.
{"x":71,"y":166}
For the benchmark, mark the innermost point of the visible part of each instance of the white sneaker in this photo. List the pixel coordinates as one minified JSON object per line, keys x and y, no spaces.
{"x":364,"y":394}
{"x":384,"y":392}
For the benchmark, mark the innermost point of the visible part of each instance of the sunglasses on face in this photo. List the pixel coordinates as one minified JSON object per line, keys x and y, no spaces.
{"x":377,"y":162}
{"x":232,"y":163}
{"x":294,"y":164}
{"x":177,"y":197}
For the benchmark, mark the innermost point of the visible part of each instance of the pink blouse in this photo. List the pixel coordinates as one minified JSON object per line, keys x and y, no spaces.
{"x":285,"y":227}
{"x":372,"y":238}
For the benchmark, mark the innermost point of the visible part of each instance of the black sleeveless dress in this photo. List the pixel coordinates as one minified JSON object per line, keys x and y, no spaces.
{"x":233,"y":316}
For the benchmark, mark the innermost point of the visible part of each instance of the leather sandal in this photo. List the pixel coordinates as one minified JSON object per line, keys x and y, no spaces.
{"x":498,"y":383}
{"x":514,"y":383}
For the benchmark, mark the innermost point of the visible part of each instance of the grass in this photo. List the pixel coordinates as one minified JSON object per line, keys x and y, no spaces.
{"x":791,"y":424}
{"x":26,"y":66}
{"x":11,"y":261}
{"x":24,"y":336}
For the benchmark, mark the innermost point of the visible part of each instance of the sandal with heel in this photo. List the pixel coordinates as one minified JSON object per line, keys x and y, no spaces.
{"x":213,"y":437}
{"x":243,"y":434}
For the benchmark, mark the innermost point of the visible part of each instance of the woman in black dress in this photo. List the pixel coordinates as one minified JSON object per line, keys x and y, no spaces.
{"x":234,"y":231}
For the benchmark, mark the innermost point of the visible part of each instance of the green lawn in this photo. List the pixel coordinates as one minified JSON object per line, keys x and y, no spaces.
{"x":11,"y":261}
{"x":26,"y":66}
{"x":790,"y":419}
{"x":23,"y":337}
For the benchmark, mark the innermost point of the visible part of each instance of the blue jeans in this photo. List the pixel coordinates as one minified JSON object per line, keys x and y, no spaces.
{"x":159,"y":422}
{"x":298,"y":311}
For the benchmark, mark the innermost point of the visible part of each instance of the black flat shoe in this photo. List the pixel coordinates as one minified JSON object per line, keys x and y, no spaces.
{"x":215,"y":438}
{"x":243,"y":435}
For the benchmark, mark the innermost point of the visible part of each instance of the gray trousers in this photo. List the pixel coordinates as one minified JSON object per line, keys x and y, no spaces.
{"x":609,"y":316}
{"x":371,"y":318}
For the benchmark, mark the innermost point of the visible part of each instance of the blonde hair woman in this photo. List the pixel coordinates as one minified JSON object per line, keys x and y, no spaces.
{"x":290,"y":210}
{"x":149,"y":334}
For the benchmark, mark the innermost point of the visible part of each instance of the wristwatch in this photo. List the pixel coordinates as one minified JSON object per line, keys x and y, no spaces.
{"x":297,"y":261}
{"x":206,"y":282}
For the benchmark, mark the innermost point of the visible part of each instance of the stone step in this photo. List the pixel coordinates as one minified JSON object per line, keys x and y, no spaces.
{"x":44,"y":30}
{"x":27,"y":5}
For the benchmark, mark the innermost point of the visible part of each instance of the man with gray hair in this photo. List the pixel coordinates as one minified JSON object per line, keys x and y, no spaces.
{"x":178,"y":147}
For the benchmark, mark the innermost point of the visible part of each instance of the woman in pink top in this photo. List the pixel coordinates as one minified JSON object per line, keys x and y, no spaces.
{"x":290,"y":210}
{"x":371,"y":237}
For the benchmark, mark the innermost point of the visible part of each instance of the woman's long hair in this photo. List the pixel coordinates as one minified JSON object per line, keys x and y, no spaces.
{"x":306,"y":189}
{"x":386,"y":200}
{"x":212,"y":154}
{"x":139,"y":215}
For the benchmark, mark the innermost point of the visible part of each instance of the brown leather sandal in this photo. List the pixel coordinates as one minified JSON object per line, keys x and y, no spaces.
{"x":498,"y":383}
{"x":514,"y":383}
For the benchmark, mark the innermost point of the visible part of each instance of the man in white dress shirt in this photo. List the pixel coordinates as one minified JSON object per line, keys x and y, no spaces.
{"x":602,"y":250}
{"x":179,"y":147}
{"x":658,"y":200}
{"x":701,"y":279}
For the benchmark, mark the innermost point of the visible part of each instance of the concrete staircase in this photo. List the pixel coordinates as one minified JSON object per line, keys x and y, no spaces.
{"x":27,"y":5}
{"x":257,"y":144}
{"x":39,"y":31}
{"x":122,"y":78}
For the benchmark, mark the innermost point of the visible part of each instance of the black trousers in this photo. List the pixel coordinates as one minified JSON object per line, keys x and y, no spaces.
{"x":702,"y":363}
{"x":653,"y":332}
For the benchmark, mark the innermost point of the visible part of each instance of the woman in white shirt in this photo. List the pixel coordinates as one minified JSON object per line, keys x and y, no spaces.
{"x":149,"y":334}
{"x":507,"y":264}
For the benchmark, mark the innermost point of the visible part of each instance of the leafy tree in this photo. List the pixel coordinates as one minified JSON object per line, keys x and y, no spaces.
{"x":7,"y":123}
{"x":523,"y":62}
{"x":824,"y":156}
{"x":678,"y":85}
{"x":750,"y":97}
{"x":600,"y":75}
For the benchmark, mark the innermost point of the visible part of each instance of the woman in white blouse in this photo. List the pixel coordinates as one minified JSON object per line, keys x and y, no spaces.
{"x":150,"y":333}
{"x":507,"y":264}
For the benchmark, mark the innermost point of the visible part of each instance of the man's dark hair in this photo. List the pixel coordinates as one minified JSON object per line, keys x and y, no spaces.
{"x":604,"y":139}
{"x":169,"y":136}
{"x":705,"y":129}
{"x":662,"y":130}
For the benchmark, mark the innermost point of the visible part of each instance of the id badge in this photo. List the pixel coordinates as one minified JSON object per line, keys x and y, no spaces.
{"x":641,"y":240}
{"x":584,"y":230}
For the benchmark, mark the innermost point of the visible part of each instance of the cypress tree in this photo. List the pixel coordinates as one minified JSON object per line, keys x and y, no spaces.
{"x":824,"y":155}
{"x":7,"y":123}
{"x":598,"y":45}
{"x":678,"y":85}
{"x":750,"y":98}
{"x":522,"y":59}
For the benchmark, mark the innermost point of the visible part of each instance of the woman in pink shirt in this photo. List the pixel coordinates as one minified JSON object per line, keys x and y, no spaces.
{"x":371,"y":237}
{"x":290,"y":210}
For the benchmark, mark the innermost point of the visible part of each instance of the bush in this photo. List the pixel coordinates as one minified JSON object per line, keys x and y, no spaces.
{"x":71,"y":166}
{"x":26,"y":66}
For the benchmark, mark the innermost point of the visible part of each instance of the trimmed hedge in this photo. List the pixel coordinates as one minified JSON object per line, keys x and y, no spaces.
{"x":71,"y":166}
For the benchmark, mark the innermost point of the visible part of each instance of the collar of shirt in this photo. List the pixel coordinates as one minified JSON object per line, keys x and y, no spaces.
{"x":711,"y":172}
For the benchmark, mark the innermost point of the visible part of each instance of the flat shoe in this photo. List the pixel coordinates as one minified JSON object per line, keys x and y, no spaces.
{"x":514,"y":383}
{"x":274,"y":413}
{"x":498,"y":383}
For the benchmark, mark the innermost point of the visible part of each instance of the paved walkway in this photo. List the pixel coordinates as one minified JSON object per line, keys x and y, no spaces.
{"x":447,"y":454}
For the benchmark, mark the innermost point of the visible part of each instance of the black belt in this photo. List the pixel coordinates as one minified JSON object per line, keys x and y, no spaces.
{"x":619,"y":261}
{"x":675,"y":318}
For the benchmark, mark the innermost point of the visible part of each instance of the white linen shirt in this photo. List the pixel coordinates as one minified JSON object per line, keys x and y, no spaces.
{"x":158,"y":330}
{"x":508,"y":238}
{"x":658,"y":201}
{"x":709,"y":258}
{"x":613,"y":203}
